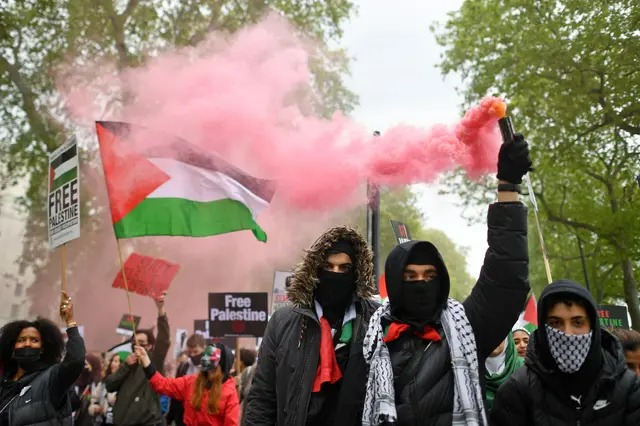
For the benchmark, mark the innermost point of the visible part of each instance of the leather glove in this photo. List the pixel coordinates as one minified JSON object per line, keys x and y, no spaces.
{"x":513,"y":160}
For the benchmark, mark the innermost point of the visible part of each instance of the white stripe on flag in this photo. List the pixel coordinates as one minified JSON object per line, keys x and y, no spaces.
{"x":198,"y":184}
{"x":66,"y":166}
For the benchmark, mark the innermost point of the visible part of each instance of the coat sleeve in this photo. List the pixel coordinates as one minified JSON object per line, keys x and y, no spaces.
{"x":632,"y":415}
{"x":68,"y":371}
{"x":113,"y":381}
{"x":501,"y":291}
{"x":174,"y":388}
{"x":262,"y":407}
{"x":163,"y":343}
{"x":510,"y":406}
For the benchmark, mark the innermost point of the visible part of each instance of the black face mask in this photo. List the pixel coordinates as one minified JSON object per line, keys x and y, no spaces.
{"x":27,"y":358}
{"x":334,"y":292}
{"x":419,"y":302}
{"x":195,"y":359}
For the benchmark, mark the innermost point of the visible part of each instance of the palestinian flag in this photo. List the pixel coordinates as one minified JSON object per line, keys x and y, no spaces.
{"x":175,"y":188}
{"x":64,"y":168}
{"x":529,"y":317}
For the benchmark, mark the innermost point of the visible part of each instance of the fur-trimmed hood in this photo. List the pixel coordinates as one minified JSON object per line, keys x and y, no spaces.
{"x":305,"y":274}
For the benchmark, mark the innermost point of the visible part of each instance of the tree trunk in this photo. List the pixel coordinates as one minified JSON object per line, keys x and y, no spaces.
{"x":631,"y":293}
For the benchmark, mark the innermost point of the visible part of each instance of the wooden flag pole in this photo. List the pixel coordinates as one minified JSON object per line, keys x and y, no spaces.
{"x":63,"y":266}
{"x":126,"y":289}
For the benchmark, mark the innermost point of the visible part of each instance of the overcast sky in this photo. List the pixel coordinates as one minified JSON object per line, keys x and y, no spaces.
{"x":395,"y":76}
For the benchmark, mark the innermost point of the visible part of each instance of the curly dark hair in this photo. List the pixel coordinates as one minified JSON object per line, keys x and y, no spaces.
{"x":52,"y":342}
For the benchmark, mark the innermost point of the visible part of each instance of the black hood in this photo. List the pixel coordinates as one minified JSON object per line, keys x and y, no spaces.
{"x":540,"y":351}
{"x":394,"y":271}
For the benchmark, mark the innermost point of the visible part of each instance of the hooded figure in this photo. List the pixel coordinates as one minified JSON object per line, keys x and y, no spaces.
{"x":575,"y":371}
{"x":311,"y":370}
{"x":416,"y":337}
{"x":500,"y":366}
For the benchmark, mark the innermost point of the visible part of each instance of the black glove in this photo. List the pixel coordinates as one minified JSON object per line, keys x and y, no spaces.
{"x":513,"y":160}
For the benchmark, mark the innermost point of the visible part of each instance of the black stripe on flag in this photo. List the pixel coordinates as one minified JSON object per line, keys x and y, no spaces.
{"x":64,"y":157}
{"x":181,"y":150}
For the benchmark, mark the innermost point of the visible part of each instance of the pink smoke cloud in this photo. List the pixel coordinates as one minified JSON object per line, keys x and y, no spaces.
{"x":243,"y":97}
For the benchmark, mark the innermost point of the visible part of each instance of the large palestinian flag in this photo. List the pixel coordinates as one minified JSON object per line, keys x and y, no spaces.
{"x":175,"y":188}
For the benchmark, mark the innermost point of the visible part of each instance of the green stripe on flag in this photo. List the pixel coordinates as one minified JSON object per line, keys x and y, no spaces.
{"x":65,"y":177}
{"x":180,"y":217}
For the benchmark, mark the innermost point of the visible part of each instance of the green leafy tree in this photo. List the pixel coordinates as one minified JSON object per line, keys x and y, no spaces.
{"x":569,"y":71}
{"x":38,"y":35}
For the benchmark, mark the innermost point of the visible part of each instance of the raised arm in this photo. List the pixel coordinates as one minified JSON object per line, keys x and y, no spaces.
{"x":262,"y":403}
{"x":68,"y":371}
{"x":500,"y":293}
{"x":174,"y":388}
{"x":163,"y":340}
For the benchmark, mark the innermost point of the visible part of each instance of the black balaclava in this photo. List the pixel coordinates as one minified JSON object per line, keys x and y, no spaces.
{"x":583,"y":378}
{"x":335,"y":290}
{"x":416,"y":303}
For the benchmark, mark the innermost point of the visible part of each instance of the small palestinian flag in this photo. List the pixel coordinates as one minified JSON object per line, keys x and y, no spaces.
{"x":175,"y":188}
{"x":529,"y":317}
{"x":64,"y":168}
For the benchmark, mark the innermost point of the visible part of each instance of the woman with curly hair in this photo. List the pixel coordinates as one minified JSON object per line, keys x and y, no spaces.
{"x":209,"y":398}
{"x":35,"y":382}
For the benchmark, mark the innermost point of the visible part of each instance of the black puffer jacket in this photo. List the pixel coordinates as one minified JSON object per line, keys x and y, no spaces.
{"x":289,"y":354}
{"x":492,"y":308}
{"x":540,"y":395}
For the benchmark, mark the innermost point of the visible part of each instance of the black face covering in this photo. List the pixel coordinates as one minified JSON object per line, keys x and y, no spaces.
{"x":195,"y":359}
{"x":27,"y":358}
{"x":334,"y":292}
{"x":419,"y":303}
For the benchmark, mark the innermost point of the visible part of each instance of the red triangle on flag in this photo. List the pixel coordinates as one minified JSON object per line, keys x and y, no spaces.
{"x":531,"y":310}
{"x":130,"y":177}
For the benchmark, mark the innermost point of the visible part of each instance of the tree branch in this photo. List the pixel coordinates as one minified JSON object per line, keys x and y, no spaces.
{"x":36,"y":122}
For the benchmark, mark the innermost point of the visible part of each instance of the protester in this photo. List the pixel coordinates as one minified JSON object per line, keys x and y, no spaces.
{"x":115,"y":361}
{"x":244,"y":379}
{"x":630,"y":340}
{"x":310,"y":369}
{"x":574,"y":373}
{"x":136,"y":403}
{"x":195,"y":348}
{"x":35,"y":385}
{"x":91,"y":393}
{"x":521,"y":340}
{"x":208,"y":398}
{"x":432,"y":349}
{"x":500,"y":365}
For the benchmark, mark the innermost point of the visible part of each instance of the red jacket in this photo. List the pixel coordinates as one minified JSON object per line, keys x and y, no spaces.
{"x":182,"y":388}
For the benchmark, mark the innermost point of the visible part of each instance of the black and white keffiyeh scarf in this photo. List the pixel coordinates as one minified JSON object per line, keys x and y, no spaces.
{"x":379,"y":403}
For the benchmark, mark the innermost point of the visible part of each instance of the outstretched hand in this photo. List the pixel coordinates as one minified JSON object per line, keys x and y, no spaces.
{"x":514,"y":160}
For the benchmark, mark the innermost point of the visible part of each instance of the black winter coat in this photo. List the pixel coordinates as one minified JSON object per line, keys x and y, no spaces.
{"x":492,"y":308}
{"x":281,"y":388}
{"x":42,"y":397}
{"x":532,"y":396}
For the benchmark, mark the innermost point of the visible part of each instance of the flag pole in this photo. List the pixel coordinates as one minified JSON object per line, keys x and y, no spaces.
{"x":63,"y":266}
{"x":126,"y":288}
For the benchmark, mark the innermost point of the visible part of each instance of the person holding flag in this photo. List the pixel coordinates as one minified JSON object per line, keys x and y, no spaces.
{"x":136,"y":403}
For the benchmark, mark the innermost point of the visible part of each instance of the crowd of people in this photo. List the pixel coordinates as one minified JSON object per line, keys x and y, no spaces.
{"x":335,"y":356}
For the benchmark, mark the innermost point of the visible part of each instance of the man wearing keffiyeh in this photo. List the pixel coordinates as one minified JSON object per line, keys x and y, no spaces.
{"x":426,"y":352}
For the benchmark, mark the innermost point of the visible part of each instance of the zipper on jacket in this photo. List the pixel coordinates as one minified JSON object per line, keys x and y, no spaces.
{"x":304,"y":372}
